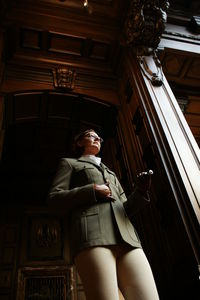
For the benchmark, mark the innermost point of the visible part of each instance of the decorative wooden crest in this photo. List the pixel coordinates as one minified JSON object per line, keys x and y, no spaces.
{"x":64,"y":78}
{"x":145,"y":24}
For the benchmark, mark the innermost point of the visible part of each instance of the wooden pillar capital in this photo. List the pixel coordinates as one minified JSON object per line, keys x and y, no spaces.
{"x":144,"y":25}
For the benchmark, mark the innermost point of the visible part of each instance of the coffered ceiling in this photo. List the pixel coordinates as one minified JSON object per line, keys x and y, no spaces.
{"x":42,"y":34}
{"x":45,"y":33}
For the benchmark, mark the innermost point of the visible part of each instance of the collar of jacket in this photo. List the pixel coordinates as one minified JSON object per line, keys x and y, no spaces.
{"x":91,"y":161}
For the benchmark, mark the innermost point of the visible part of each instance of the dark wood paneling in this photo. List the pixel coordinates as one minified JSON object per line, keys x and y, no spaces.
{"x":30,"y":38}
{"x":65,"y":44}
{"x":27,"y":107}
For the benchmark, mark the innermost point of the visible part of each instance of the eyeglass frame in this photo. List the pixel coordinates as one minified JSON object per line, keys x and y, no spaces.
{"x":88,"y":134}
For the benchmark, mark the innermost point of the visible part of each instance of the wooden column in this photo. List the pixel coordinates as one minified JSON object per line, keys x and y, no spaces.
{"x":1,"y":126}
{"x":176,"y":146}
{"x":1,"y":97}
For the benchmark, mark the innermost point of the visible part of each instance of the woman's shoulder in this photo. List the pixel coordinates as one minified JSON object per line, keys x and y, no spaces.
{"x":67,"y":163}
{"x":68,"y":160}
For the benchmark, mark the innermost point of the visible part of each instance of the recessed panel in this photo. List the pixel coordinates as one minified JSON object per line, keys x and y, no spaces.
{"x":100,"y":51}
{"x":60,"y":106}
{"x":30,"y":38}
{"x":172,"y":64}
{"x":194,"y":70}
{"x":27,"y":107}
{"x":65,"y":44}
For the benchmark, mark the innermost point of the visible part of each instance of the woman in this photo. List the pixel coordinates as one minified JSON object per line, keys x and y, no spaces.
{"x":104,"y":244}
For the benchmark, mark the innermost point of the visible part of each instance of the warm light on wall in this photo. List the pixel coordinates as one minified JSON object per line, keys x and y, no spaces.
{"x":87,"y":6}
{"x":85,"y":3}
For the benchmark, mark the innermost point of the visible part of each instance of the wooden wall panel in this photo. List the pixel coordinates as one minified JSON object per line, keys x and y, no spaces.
{"x":194,"y":69}
{"x":100,"y":51}
{"x":173,"y":64}
{"x":8,"y":255}
{"x":2,"y":132}
{"x":5,"y":280}
{"x":30,"y":38}
{"x":65,"y":44}
{"x":9,"y":249}
{"x":28,"y":107}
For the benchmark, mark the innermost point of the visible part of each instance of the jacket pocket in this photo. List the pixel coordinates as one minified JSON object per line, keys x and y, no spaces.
{"x":90,"y":225}
{"x":86,"y":225}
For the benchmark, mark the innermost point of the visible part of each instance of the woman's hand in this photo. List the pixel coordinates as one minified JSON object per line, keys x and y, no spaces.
{"x":103,"y":191}
{"x":144,"y":181}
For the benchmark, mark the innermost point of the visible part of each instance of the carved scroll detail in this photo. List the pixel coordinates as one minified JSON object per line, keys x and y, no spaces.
{"x":145,"y":24}
{"x":153,"y":72}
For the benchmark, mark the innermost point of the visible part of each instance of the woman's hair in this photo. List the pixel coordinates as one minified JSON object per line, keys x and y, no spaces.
{"x":78,"y":150}
{"x":79,"y":136}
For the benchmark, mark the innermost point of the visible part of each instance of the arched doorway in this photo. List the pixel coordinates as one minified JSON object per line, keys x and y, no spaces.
{"x":39,"y":129}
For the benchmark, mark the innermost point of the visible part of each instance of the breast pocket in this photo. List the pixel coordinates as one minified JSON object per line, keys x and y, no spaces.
{"x":82,"y":175}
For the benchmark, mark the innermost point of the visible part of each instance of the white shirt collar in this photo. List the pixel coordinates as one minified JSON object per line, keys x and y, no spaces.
{"x":96,"y":159}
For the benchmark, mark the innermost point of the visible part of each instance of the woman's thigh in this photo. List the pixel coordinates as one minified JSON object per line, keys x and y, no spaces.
{"x":97,"y":269}
{"x":135,"y":277}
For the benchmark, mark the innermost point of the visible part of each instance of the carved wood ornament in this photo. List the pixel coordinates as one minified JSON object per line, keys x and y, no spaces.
{"x":153,"y":73}
{"x":64,"y":78}
{"x":145,"y":24}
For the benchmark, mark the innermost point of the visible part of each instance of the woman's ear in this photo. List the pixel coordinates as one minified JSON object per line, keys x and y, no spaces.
{"x":79,"y":143}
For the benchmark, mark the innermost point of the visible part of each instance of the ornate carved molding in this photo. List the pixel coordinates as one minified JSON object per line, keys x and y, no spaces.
{"x":192,"y":37}
{"x":64,"y":78}
{"x":145,"y":24}
{"x":152,"y":71}
{"x":195,"y":24}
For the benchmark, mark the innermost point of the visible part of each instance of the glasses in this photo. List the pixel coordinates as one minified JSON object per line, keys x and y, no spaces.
{"x":94,"y":137}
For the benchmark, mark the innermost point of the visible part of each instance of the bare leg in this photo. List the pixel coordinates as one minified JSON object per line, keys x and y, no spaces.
{"x":97,"y":269}
{"x":135,"y":277}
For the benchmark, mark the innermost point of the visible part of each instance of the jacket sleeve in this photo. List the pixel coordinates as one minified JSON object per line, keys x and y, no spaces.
{"x":136,"y":201}
{"x":62,"y":197}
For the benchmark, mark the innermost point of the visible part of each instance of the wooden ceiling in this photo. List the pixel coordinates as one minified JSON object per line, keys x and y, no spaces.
{"x":42,"y":34}
{"x":65,"y":32}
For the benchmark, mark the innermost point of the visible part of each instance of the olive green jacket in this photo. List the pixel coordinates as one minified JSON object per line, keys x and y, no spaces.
{"x":92,"y":222}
